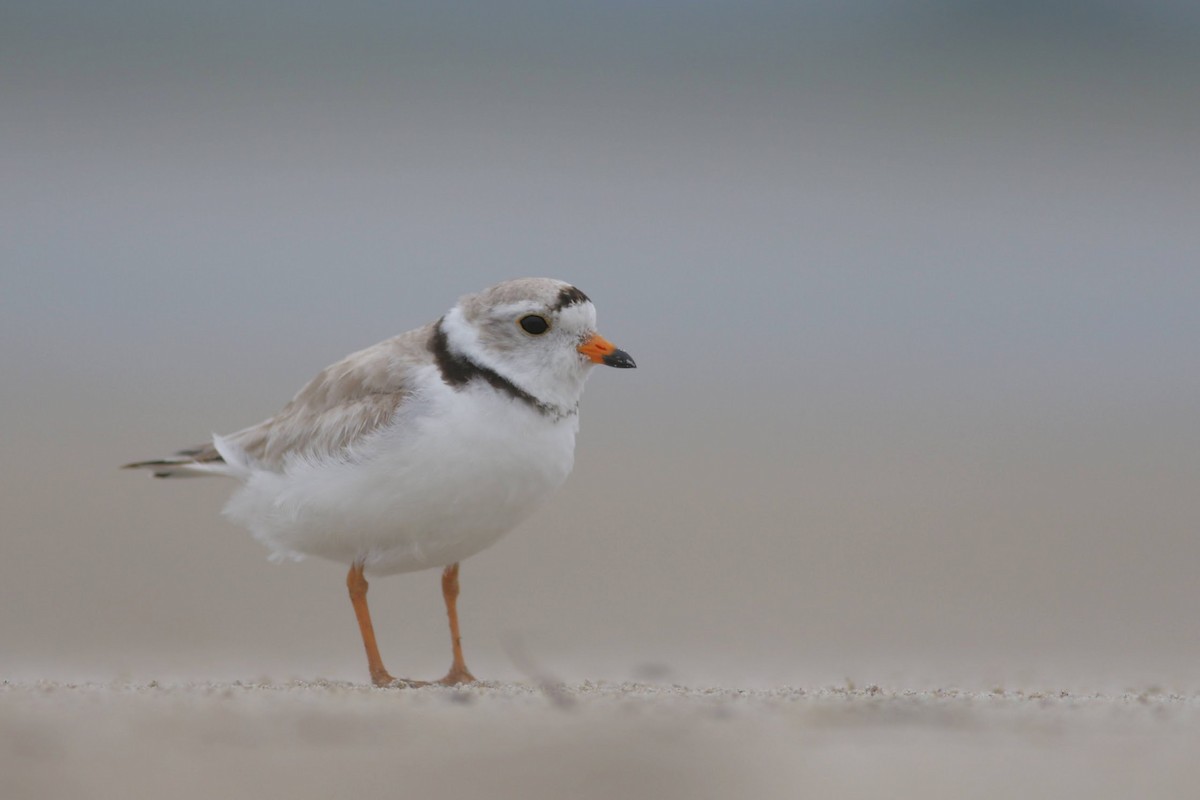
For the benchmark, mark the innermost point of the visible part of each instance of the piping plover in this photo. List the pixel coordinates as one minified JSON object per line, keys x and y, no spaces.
{"x":421,"y":450}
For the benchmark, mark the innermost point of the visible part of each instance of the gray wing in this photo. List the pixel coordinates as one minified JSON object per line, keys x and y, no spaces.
{"x":336,"y":409}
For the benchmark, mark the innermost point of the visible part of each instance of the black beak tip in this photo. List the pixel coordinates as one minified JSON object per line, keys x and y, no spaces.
{"x":620,"y":359}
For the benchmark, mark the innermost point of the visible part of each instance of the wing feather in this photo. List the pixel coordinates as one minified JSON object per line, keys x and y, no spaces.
{"x":337,"y":409}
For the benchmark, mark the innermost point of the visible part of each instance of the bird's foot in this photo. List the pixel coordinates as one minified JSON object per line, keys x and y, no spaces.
{"x":457,"y":676}
{"x":385,"y":681}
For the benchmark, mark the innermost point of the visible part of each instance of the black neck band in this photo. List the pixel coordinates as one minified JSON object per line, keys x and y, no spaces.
{"x":458,"y":370}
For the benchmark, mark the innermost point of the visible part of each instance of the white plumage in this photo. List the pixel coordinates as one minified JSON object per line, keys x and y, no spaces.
{"x":445,"y":478}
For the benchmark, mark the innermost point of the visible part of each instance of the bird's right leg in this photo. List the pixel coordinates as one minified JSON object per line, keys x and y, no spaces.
{"x":357,"y":585}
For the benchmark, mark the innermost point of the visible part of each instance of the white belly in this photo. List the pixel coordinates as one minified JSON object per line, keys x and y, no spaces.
{"x":432,"y":489}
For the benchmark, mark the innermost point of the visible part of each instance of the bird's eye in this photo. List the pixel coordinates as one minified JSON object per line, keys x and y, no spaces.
{"x":534,"y":324}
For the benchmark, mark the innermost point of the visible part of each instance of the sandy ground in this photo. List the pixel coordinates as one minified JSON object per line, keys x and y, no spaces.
{"x":324,"y":739}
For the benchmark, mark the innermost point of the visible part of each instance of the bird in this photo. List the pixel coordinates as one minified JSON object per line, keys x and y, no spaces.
{"x":419,"y":451}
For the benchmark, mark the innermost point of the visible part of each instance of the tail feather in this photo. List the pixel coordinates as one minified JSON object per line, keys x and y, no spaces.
{"x":193,"y":462}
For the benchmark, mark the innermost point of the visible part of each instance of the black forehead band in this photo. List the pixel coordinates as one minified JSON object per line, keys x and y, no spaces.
{"x":569,"y":297}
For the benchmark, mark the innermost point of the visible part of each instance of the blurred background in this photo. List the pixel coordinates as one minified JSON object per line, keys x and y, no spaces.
{"x":913,"y":288}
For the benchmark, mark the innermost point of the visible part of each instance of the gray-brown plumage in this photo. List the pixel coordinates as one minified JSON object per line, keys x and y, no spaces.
{"x":342,"y":404}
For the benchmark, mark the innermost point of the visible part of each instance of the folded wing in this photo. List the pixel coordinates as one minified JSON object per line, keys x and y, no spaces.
{"x":337,"y":409}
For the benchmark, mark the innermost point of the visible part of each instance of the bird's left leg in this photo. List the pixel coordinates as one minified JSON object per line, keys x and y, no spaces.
{"x":458,"y":670}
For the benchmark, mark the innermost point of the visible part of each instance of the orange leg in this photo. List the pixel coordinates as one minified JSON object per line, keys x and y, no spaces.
{"x":458,"y":670}
{"x":357,"y":585}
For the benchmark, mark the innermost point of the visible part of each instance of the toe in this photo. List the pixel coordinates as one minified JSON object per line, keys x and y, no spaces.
{"x":457,"y":677}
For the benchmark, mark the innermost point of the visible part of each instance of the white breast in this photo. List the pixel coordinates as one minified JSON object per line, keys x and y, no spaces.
{"x":454,"y":472}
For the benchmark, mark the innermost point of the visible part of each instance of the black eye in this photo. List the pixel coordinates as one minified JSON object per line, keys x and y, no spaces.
{"x":534,"y":324}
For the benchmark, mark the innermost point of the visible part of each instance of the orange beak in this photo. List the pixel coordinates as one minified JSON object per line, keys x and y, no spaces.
{"x":602,"y":351}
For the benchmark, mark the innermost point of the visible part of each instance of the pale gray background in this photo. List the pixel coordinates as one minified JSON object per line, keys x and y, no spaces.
{"x":913,"y":288}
